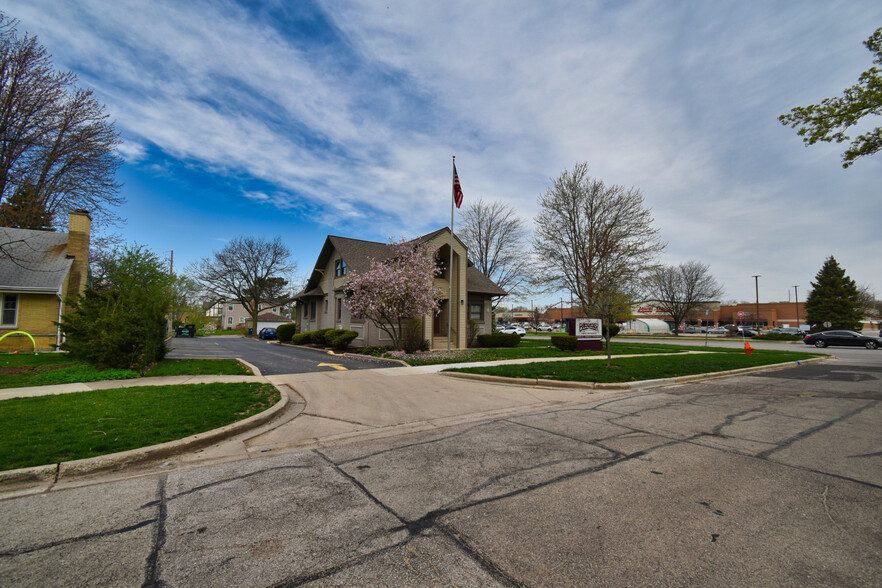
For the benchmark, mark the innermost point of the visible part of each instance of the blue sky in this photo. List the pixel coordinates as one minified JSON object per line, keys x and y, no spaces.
{"x":303,"y":119}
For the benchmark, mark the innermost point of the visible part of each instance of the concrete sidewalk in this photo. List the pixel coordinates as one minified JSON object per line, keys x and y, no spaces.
{"x":54,"y":389}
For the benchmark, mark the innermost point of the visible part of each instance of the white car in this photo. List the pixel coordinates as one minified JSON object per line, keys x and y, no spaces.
{"x":513,"y":330}
{"x":545,"y":329}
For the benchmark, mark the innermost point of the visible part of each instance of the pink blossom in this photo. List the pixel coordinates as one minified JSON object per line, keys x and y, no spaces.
{"x":397,"y":289}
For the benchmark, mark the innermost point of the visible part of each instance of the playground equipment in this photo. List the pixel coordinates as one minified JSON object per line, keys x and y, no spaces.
{"x":34,"y":343}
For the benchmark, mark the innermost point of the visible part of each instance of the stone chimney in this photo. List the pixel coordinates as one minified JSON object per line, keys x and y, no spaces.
{"x":79,"y":229}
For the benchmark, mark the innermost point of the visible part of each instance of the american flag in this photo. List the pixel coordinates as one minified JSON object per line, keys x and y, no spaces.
{"x":457,"y":189}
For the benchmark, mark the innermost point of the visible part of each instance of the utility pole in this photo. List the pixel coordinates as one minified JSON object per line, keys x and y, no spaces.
{"x":756,"y":282}
{"x":796,"y":295}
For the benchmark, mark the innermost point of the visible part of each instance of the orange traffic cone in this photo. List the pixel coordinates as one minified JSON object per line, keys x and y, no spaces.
{"x":747,"y":348}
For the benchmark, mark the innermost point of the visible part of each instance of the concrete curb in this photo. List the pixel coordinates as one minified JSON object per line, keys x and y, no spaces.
{"x":345,"y":354}
{"x":631,"y":385}
{"x":26,"y":478}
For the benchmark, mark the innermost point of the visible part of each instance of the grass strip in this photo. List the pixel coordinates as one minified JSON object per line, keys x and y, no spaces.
{"x":530,"y":350}
{"x":50,"y":429}
{"x":28,"y":369}
{"x":634,"y":369}
{"x":198,"y":367}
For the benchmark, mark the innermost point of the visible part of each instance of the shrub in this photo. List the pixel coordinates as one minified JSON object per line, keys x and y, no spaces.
{"x":285,"y":332}
{"x":340,"y":338}
{"x":611,"y":330}
{"x":374,"y":350}
{"x":318,"y":337}
{"x":564,"y":342}
{"x":119,"y":322}
{"x":301,"y":338}
{"x":412,"y":339}
{"x":472,"y":332}
{"x":499,"y":340}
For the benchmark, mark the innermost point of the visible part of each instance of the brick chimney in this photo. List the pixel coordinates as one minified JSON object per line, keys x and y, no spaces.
{"x":78,"y":231}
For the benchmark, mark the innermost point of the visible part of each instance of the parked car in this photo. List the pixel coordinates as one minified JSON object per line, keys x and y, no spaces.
{"x":787,"y":331}
{"x":718,"y":331}
{"x":514,"y":330}
{"x":746,"y":332}
{"x":267,"y":333}
{"x":693,"y":329}
{"x":545,"y":329}
{"x":843,"y":338}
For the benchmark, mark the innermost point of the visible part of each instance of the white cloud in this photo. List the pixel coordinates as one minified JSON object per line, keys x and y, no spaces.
{"x":677,"y":99}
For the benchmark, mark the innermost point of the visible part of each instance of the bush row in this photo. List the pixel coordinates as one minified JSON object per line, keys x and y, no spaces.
{"x":336,"y":338}
{"x":286,"y":331}
{"x":779,"y":337}
{"x":499,"y":340}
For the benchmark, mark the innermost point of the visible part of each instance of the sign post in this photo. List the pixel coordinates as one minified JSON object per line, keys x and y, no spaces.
{"x":589,"y":333}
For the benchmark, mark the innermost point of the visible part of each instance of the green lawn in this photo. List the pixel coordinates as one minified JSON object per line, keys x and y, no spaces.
{"x":28,"y":369}
{"x":540,"y":349}
{"x":51,"y":429}
{"x":632,"y":369}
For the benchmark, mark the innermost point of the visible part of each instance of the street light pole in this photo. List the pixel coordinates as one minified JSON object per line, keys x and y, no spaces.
{"x":796,"y":295}
{"x":756,"y":282}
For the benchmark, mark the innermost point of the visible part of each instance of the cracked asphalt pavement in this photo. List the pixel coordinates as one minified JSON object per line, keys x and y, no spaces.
{"x":767,"y":479}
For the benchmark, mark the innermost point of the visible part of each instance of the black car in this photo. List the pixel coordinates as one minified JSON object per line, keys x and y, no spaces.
{"x":845,"y":338}
{"x":267,"y":333}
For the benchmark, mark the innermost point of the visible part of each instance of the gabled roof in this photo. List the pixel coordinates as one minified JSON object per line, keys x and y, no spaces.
{"x":478,"y":283}
{"x":33,"y":261}
{"x":358,"y":255}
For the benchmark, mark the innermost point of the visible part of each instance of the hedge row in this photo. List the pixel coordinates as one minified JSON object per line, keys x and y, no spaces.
{"x":336,"y":338}
{"x":564,"y":342}
{"x":499,"y":340}
{"x":779,"y":337}
{"x":285,"y":332}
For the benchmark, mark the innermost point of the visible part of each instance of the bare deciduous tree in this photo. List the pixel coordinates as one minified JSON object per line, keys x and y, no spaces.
{"x":495,"y":236}
{"x":596,"y":241}
{"x":57,"y":146}
{"x":683,"y":289}
{"x":250,"y":271}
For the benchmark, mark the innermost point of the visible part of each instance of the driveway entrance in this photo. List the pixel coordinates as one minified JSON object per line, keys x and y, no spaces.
{"x":270,"y":358}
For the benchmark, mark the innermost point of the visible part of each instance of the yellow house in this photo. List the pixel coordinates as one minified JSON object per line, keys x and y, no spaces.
{"x":38,"y":271}
{"x":322,"y":303}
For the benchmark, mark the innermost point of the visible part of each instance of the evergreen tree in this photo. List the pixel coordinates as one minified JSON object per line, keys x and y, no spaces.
{"x":25,"y":210}
{"x":119,"y":321}
{"x":834,"y":298}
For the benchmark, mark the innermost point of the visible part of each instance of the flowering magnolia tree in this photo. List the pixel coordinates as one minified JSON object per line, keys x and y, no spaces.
{"x":397,"y":289}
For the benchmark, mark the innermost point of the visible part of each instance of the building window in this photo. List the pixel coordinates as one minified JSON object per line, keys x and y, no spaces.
{"x":339,"y":268}
{"x":312,"y":309}
{"x":476,"y":311}
{"x":241,"y":320}
{"x":326,"y":306}
{"x":230,"y":307}
{"x":230,"y":320}
{"x":10,"y":308}
{"x":339,"y":309}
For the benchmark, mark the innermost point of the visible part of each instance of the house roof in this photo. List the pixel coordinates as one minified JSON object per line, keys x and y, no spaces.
{"x":33,"y":261}
{"x":478,"y":283}
{"x":358,"y":255}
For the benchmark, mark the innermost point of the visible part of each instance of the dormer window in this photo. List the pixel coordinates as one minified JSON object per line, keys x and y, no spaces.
{"x":339,"y":268}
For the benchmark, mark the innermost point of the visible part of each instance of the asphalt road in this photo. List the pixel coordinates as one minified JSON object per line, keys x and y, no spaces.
{"x":772,"y":479}
{"x":269,"y":357}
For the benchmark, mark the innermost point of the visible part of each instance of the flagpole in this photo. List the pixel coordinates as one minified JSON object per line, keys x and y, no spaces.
{"x":450,"y":264}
